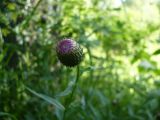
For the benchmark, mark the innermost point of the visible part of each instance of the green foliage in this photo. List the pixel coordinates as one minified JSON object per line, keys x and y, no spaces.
{"x":118,"y":78}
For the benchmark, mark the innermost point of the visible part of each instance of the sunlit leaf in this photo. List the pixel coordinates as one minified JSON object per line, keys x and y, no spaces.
{"x":11,"y":6}
{"x":5,"y":32}
{"x":146,"y":65}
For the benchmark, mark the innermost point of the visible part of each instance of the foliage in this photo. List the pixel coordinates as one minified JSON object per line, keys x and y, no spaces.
{"x":119,"y":76}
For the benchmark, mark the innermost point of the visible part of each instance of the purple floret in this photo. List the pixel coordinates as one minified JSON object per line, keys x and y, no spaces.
{"x":65,"y":46}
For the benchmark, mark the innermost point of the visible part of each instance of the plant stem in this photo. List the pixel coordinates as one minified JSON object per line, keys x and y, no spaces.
{"x":68,"y":102}
{"x":90,"y":82}
{"x":1,"y":40}
{"x":31,"y":15}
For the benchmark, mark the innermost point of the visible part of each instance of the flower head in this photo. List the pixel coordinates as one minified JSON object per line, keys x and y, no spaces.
{"x":69,"y":52}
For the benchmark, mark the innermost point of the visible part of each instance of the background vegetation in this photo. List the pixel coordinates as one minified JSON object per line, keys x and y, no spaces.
{"x":120,"y":74}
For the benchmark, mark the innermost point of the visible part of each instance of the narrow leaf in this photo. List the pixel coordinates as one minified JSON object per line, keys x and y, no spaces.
{"x":47,"y":99}
{"x":67,"y":91}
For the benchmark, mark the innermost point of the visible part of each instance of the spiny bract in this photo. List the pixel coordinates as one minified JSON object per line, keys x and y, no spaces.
{"x":69,"y":52}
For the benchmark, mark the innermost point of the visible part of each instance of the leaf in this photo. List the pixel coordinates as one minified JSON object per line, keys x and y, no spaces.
{"x":149,"y":114}
{"x":103,"y":99}
{"x":5,"y":32}
{"x":11,"y":6}
{"x":153,"y":104}
{"x":7,"y":114}
{"x":91,"y":68}
{"x":67,"y":91}
{"x":95,"y":111}
{"x":48,"y":99}
{"x":130,"y":111}
{"x":156,"y":52}
{"x":145,"y":64}
{"x":59,"y":114}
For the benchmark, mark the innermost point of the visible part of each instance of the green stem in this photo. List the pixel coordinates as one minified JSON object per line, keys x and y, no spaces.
{"x":90,"y":82}
{"x":31,"y":15}
{"x":69,"y":101}
{"x":1,"y":40}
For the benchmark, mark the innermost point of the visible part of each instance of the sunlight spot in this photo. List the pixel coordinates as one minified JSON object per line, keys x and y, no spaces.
{"x":131,"y":90}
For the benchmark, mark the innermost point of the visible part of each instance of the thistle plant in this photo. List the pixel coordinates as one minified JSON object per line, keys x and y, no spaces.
{"x":70,"y":54}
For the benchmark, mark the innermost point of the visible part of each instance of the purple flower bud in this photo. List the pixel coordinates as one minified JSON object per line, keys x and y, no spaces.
{"x":69,"y":52}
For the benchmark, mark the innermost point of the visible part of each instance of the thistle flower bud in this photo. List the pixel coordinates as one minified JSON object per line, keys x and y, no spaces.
{"x":69,"y":52}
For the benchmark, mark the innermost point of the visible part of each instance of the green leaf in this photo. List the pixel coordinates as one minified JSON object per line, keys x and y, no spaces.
{"x":59,"y":114}
{"x":145,"y":64}
{"x":48,"y":99}
{"x":7,"y":114}
{"x":156,"y":52}
{"x":67,"y":91}
{"x":5,"y":32}
{"x":103,"y":99}
{"x":149,"y":114}
{"x":91,"y":68}
{"x":11,"y":6}
{"x":130,"y":111}
{"x":95,"y":112}
{"x":153,"y":104}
